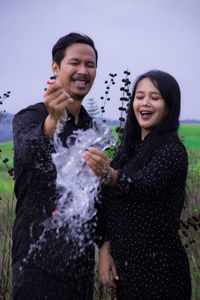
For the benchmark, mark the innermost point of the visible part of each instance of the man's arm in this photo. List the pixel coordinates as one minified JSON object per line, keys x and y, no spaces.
{"x":56,"y":100}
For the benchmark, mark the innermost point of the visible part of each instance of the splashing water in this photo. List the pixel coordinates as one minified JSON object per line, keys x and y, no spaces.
{"x":76,"y":184}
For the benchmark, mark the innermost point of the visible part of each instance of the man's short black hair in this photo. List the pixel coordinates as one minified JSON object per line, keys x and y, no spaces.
{"x":58,"y":51}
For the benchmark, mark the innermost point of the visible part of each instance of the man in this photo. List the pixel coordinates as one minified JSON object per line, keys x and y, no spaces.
{"x":53,"y":270}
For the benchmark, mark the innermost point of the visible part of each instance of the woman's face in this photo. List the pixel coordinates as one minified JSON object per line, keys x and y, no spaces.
{"x":149,"y":106}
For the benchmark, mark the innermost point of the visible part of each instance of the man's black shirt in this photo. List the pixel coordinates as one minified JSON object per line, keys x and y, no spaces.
{"x":36,"y":193}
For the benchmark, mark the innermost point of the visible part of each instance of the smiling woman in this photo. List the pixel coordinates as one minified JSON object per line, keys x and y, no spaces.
{"x":143,"y":195}
{"x":149,"y":106}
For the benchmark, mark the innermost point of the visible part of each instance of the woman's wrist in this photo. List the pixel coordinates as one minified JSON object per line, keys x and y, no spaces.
{"x":105,"y":247}
{"x":110,"y":178}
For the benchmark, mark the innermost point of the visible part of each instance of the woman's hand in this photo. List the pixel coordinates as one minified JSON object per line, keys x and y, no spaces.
{"x":99,"y":163}
{"x":107,"y":269}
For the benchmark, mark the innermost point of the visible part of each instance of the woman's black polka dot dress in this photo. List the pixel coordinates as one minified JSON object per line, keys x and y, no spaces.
{"x":142,"y":225}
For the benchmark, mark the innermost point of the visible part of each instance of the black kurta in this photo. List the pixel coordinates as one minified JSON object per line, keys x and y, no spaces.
{"x":143,"y":223}
{"x":57,"y":271}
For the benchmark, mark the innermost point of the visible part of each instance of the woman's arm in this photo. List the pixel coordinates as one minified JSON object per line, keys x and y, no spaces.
{"x":164,"y":170}
{"x":168,"y":165}
{"x":107,"y":269}
{"x":99,"y":163}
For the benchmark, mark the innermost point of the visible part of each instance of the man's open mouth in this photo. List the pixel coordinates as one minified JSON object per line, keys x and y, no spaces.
{"x":80,"y":82}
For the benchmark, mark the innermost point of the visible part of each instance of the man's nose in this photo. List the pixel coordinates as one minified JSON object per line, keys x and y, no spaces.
{"x":82,"y":69}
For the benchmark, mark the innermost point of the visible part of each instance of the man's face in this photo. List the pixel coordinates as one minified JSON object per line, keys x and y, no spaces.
{"x":77,"y":70}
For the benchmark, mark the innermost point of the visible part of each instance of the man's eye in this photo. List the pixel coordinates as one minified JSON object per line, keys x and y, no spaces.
{"x":90,"y":65}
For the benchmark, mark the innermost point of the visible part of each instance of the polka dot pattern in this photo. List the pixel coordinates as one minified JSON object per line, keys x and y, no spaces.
{"x":142,"y":221}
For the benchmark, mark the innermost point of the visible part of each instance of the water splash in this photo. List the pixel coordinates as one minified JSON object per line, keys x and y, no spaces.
{"x":76,"y":184}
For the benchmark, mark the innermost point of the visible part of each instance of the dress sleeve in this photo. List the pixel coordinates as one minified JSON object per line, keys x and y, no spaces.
{"x":168,"y":165}
{"x":101,"y":234}
{"x":31,"y":146}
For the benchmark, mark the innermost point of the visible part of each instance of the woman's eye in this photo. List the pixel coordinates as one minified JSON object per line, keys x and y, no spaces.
{"x":139,"y":98}
{"x":157,"y":98}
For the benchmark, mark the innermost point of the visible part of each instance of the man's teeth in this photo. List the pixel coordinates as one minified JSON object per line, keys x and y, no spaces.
{"x":80,"y":82}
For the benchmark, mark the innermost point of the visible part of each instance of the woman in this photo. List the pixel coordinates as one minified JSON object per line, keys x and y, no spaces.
{"x":143,"y":195}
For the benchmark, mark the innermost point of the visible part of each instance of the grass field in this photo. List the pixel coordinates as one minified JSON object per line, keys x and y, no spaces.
{"x":6,"y":182}
{"x":189,"y":133}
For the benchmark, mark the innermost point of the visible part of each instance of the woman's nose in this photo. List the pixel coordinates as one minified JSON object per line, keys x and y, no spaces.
{"x":146,"y":101}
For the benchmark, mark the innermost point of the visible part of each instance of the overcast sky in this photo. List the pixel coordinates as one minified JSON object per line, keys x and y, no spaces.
{"x":136,"y":34}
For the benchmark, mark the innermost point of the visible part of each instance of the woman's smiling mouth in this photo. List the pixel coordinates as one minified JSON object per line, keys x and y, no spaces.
{"x":145,"y":114}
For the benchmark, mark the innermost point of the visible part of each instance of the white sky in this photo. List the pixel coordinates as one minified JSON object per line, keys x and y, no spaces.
{"x":136,"y":34}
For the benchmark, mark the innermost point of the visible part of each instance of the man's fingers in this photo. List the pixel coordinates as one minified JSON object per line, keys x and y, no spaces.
{"x":52,"y":88}
{"x":57,"y":89}
{"x":57,"y":101}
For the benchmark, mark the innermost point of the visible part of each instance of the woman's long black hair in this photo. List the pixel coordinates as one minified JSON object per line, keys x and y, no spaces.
{"x":170,"y":91}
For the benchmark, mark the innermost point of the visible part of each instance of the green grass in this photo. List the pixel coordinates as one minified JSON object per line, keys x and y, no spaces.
{"x":6,"y":182}
{"x":7,"y":152}
{"x":191,"y":133}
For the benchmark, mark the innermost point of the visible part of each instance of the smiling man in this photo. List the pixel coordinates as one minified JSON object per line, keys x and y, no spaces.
{"x":55,"y":270}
